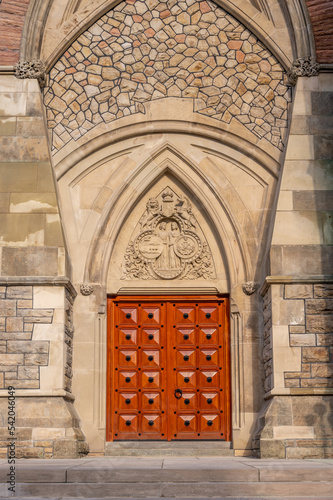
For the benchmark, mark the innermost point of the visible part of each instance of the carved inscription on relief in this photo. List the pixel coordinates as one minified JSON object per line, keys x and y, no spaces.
{"x":168,"y":242}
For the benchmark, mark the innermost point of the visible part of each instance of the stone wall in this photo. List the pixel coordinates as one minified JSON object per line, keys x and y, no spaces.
{"x":46,"y":427}
{"x":297,"y":418}
{"x":315,"y":337}
{"x":297,"y":427}
{"x":321,"y":15}
{"x":296,"y":421}
{"x":143,"y":51}
{"x":36,"y":359}
{"x":22,"y":356}
{"x":12,"y":16}
{"x":32,"y":242}
{"x":302,"y":242}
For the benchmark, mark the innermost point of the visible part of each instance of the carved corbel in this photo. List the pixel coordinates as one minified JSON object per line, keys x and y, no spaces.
{"x":31,"y":69}
{"x":249,"y":287}
{"x":86,"y":289}
{"x":302,"y":67}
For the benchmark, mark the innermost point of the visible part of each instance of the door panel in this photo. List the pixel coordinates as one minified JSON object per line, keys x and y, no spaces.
{"x":168,"y":368}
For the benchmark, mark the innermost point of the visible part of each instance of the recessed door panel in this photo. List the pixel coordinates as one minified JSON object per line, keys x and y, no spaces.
{"x":168,"y":368}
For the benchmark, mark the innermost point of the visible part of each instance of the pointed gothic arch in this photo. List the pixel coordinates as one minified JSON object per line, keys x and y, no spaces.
{"x":122,"y":202}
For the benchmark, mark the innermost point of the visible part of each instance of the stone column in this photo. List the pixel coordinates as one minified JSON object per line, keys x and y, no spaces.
{"x":298,"y":295}
{"x":36,"y":296}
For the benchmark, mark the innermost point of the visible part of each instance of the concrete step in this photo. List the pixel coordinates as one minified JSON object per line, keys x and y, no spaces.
{"x":169,"y":449}
{"x":182,"y":498}
{"x":156,"y":490}
{"x":195,"y":478}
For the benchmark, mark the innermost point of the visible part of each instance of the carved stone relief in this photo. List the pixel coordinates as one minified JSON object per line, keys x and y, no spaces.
{"x":31,"y":69}
{"x":168,"y":242}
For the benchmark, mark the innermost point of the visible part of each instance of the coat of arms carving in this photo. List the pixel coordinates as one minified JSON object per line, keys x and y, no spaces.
{"x":168,"y":243}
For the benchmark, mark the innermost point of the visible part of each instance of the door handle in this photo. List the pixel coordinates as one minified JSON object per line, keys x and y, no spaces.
{"x":178,"y":393}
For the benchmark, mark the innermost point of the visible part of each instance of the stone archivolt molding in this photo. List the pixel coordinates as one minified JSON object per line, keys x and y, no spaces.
{"x":303,"y":67}
{"x":31,"y":69}
{"x":121,"y":203}
{"x":138,"y":53}
{"x":168,"y":245}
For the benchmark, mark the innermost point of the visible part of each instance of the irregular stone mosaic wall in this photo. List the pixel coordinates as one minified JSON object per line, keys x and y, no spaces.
{"x":21,"y":357}
{"x":315,"y":337}
{"x":147,"y":50}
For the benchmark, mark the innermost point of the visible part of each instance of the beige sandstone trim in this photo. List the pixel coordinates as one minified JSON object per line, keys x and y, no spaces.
{"x":38,"y":280}
{"x":33,"y":393}
{"x":286,"y":280}
{"x":169,"y":291}
{"x":126,"y":129}
{"x":7,"y":70}
{"x":299,"y":391}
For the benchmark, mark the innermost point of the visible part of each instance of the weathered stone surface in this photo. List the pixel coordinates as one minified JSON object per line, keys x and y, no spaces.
{"x":36,"y":347}
{"x":11,"y":359}
{"x":323,"y":290}
{"x":313,"y":354}
{"x":319,"y":323}
{"x":322,"y":369}
{"x":36,"y":359}
{"x":30,"y":261}
{"x":14,"y":324}
{"x":325,"y":339}
{"x":19,"y":292}
{"x":319,"y":306}
{"x":301,"y":259}
{"x":312,"y":200}
{"x":7,"y":307}
{"x":272,"y":448}
{"x":298,"y":291}
{"x":302,"y":340}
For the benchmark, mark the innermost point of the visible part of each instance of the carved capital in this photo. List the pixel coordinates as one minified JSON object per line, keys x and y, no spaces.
{"x":302,"y":67}
{"x":31,"y":69}
{"x":249,"y":287}
{"x":86,"y":289}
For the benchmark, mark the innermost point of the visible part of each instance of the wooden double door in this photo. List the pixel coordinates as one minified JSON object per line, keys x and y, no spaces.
{"x":168,"y":368}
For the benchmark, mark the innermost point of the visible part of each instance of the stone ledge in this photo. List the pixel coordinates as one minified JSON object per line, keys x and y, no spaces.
{"x":38,"y":280}
{"x":7,"y":70}
{"x":299,"y":391}
{"x":39,"y":393}
{"x":298,"y":279}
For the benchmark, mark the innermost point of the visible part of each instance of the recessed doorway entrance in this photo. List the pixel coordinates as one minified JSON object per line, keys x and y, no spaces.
{"x":168,"y":368}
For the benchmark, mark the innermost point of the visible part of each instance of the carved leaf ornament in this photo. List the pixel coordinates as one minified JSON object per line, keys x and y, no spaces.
{"x":168,"y":244}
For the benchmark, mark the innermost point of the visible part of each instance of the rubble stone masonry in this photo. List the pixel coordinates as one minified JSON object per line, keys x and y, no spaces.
{"x":147,"y":50}
{"x":315,"y":337}
{"x":21,"y":356}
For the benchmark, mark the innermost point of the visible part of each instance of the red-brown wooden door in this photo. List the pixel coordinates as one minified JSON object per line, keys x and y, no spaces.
{"x":168,"y":368}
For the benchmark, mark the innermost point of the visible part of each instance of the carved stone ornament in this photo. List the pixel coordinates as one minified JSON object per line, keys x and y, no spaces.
{"x":169,"y":244}
{"x":303,"y":67}
{"x":31,"y":69}
{"x":249,"y":287}
{"x":86,"y":289}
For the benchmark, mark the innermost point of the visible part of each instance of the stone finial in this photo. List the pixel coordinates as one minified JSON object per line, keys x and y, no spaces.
{"x":31,"y":69}
{"x":86,"y":289}
{"x":302,"y":67}
{"x":249,"y":287}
